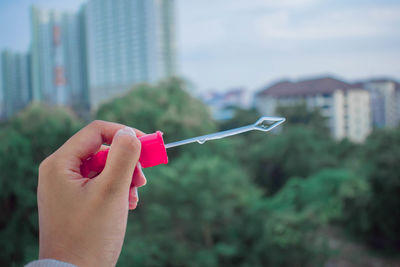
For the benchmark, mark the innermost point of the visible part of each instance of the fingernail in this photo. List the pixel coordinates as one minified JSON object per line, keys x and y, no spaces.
{"x":125,"y":131}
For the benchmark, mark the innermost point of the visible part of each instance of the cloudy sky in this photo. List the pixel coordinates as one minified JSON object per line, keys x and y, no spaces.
{"x":251,"y":43}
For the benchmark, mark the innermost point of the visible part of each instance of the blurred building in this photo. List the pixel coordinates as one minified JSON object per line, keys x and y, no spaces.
{"x":15,"y":83}
{"x":58,"y":57}
{"x":127,"y":42}
{"x":346,"y":107}
{"x":85,"y":58}
{"x":223,"y":104}
{"x":88,"y":57}
{"x":385,"y":102}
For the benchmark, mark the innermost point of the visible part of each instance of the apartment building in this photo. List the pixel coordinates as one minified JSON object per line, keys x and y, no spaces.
{"x":127,"y":42}
{"x":85,"y":58}
{"x":385,"y":102}
{"x":346,"y":107}
{"x":15,"y":82}
{"x":58,"y":57}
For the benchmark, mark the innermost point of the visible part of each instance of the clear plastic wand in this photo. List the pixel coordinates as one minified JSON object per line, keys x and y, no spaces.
{"x":264,"y":124}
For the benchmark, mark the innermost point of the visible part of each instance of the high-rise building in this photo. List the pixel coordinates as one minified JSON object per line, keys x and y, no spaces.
{"x":346,"y":107}
{"x":127,"y":42}
{"x":384,"y":102}
{"x":15,"y":83}
{"x":58,"y":57}
{"x":85,"y":58}
{"x":168,"y":48}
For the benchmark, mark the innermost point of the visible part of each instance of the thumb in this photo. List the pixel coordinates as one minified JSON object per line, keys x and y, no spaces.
{"x":121,"y":161}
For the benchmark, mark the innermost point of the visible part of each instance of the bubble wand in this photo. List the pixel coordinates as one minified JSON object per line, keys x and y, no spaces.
{"x":154,"y":151}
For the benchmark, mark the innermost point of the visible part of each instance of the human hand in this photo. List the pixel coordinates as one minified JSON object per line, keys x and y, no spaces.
{"x":83,"y":221}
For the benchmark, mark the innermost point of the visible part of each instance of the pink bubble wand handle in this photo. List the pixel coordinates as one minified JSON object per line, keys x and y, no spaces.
{"x":152,"y":153}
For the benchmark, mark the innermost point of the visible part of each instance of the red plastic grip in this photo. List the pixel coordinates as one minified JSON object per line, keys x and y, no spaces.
{"x":152,"y":153}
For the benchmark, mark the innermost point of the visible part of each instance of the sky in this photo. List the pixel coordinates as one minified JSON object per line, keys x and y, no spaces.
{"x":223,"y":44}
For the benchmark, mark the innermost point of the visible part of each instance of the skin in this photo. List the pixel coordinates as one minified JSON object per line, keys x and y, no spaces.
{"x":83,"y":221}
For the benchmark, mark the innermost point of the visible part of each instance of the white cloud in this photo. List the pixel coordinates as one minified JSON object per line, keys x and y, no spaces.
{"x":349,"y":23}
{"x":271,"y":4}
{"x":250,"y":42}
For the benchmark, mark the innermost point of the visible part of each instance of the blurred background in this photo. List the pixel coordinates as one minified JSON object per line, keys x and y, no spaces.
{"x":322,"y":190}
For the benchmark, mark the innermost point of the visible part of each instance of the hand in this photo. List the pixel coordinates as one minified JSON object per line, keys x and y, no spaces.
{"x":83,"y":221}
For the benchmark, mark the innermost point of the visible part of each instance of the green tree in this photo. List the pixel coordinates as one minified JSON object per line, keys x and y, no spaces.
{"x":18,"y":222}
{"x":296,"y":151}
{"x":204,"y":211}
{"x":300,"y":147}
{"x":241,"y":117}
{"x":167,"y":107}
{"x":24,"y":142}
{"x":188,"y":214}
{"x":374,"y":214}
{"x":301,"y":115}
{"x":201,"y":209}
{"x":208,"y":206}
{"x":46,"y":128}
{"x":319,"y":197}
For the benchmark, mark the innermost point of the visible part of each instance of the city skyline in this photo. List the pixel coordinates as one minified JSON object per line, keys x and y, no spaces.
{"x":84,"y":58}
{"x":270,"y":40}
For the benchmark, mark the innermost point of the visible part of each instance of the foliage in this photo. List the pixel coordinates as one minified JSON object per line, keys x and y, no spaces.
{"x":300,"y":147}
{"x":167,"y":106}
{"x":301,"y":115}
{"x":241,"y":117}
{"x":296,"y":151}
{"x":196,"y":202}
{"x":215,"y":216}
{"x":24,"y":142}
{"x":319,"y":197}
{"x":252,"y":200}
{"x":46,"y":128}
{"x":375,"y":215}
{"x":18,"y":223}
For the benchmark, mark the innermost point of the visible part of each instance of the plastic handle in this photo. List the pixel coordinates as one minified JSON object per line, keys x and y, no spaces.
{"x":153,"y":153}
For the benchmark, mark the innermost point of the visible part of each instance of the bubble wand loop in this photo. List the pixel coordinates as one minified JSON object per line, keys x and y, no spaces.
{"x":260,"y":125}
{"x":153,"y":150}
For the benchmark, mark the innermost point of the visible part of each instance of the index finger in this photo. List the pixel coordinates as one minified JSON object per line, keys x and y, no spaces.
{"x":89,"y":139}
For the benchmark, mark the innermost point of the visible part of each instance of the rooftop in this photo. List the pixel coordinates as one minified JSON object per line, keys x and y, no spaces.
{"x":305,"y":87}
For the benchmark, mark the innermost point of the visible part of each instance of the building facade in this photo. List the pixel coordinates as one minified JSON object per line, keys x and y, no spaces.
{"x":346,"y":107}
{"x":384,"y":102}
{"x":58,"y":58}
{"x":15,"y":82}
{"x":127,"y":42}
